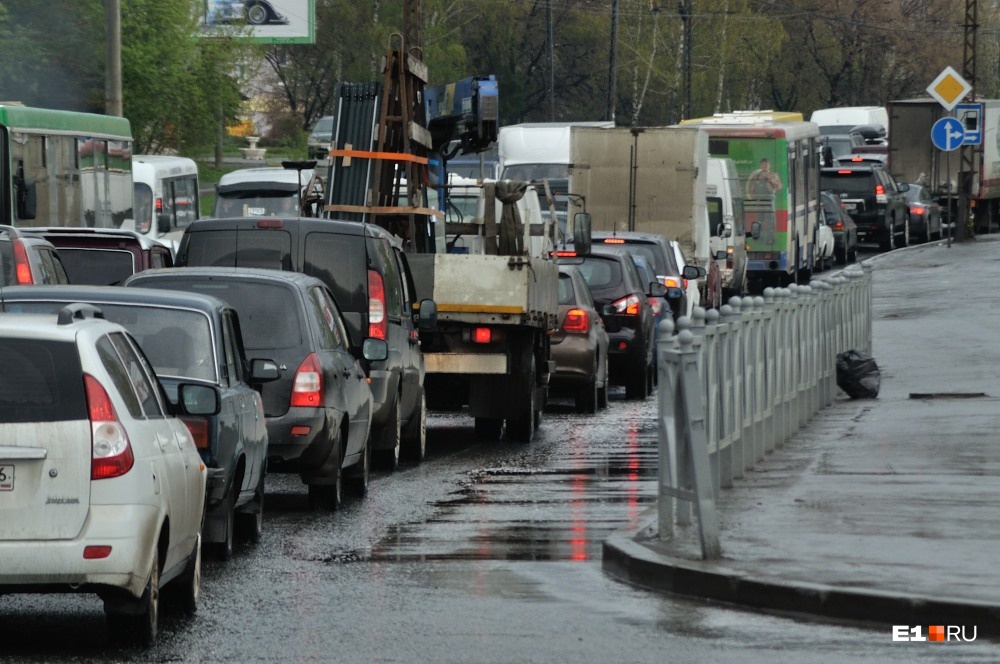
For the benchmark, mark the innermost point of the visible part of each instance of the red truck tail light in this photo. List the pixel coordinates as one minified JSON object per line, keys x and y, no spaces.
{"x":159,"y":205}
{"x":482,"y":335}
{"x":629,"y":305}
{"x":378,"y":325}
{"x":22,"y":269}
{"x":307,"y":389}
{"x":110,"y":450}
{"x":577,"y":320}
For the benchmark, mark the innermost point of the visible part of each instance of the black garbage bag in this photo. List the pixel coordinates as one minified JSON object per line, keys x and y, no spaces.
{"x":858,"y":375}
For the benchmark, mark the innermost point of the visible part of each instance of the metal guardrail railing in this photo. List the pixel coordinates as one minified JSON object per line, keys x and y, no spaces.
{"x":735,"y":384}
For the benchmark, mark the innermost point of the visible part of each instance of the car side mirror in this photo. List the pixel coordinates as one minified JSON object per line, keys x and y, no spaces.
{"x":656,"y":289}
{"x":755,"y":230}
{"x":263,"y":371}
{"x":693,"y":272}
{"x":163,"y":223}
{"x":375,"y":350}
{"x":581,"y":233}
{"x":427,"y":315}
{"x":904,"y":187}
{"x":198,"y":399}
{"x":721,"y":255}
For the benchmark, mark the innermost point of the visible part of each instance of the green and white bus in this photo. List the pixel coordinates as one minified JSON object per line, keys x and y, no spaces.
{"x":778,"y":167}
{"x":61,"y":168}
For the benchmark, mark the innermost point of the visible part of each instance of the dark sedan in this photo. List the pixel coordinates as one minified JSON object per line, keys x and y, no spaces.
{"x":925,"y":214}
{"x":192,"y":338}
{"x":845,"y":231}
{"x":319,"y":409}
{"x":580,"y":346}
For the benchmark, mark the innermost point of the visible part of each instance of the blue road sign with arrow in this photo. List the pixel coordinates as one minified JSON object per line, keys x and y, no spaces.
{"x":947,"y":134}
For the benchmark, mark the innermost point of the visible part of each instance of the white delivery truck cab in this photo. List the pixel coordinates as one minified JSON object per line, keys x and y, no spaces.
{"x":166,"y":196}
{"x":842,"y":119}
{"x":724,"y":197}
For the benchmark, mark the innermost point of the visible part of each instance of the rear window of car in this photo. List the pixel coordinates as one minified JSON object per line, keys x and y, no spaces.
{"x":271,"y":249}
{"x":566,"y":295}
{"x":97,"y":267}
{"x":340,"y":261}
{"x":848,"y":182}
{"x":269,"y":313}
{"x":6,"y":262}
{"x":602,"y":274}
{"x":41,"y":381}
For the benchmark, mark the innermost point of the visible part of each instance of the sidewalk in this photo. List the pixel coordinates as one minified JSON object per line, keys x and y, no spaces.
{"x":883,"y":511}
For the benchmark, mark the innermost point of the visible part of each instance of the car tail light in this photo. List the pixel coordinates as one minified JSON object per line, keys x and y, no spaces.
{"x":916,"y":209}
{"x":565,"y":254}
{"x":159,"y":205}
{"x":377,"y":323}
{"x":628,"y":305}
{"x":577,"y":320}
{"x":110,"y":450}
{"x":198,"y":427}
{"x":22,"y":269}
{"x":482,"y":335}
{"x":729,"y":258}
{"x":879,"y":190}
{"x":670,"y":282}
{"x":838,"y":226}
{"x":656,"y":304}
{"x":614,"y":240}
{"x":307,"y":388}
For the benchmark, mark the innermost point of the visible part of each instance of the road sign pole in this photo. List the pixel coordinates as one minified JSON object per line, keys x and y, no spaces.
{"x":951,"y":215}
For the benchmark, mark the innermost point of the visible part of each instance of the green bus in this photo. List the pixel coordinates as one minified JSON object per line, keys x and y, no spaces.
{"x":62,"y":168}
{"x":778,"y":167}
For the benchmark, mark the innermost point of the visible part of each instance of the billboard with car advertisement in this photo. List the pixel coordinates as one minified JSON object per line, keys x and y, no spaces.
{"x":263,"y":21}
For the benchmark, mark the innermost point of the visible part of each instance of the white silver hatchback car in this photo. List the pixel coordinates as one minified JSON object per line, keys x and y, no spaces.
{"x":101,"y":487}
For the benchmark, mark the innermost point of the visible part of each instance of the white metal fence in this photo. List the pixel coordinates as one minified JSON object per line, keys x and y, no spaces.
{"x":737,"y":383}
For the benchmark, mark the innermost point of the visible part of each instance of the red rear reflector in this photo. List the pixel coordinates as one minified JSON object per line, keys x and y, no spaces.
{"x":96,"y":551}
{"x":576,"y":321}
{"x":622,"y":345}
{"x":300,"y":430}
{"x":199,"y":431}
{"x":481,"y":335}
{"x":613,"y":240}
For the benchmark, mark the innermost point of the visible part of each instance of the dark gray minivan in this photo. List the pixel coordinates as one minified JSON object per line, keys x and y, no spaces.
{"x":365,"y":268}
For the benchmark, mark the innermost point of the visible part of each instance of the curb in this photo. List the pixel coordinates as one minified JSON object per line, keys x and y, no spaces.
{"x":629,"y":560}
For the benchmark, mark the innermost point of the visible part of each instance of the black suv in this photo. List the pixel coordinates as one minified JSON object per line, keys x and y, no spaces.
{"x":623,"y":302}
{"x":365,"y":268}
{"x":873,"y":199}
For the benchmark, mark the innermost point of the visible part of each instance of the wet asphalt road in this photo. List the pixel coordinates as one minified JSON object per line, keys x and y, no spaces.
{"x":484,"y":553}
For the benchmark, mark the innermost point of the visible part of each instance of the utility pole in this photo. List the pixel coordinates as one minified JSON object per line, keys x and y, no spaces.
{"x":612,"y":70}
{"x":967,"y":153}
{"x":552,"y":61}
{"x":684,"y":8}
{"x":113,"y":58}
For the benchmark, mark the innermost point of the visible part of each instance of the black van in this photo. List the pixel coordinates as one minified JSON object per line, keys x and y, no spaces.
{"x":366,"y":269}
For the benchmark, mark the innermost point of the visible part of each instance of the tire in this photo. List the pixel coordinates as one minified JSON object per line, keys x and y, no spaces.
{"x":224,"y":550}
{"x":250,"y":525}
{"x":489,"y":429}
{"x":257,"y":14}
{"x":189,"y":582}
{"x":521,"y":428}
{"x":602,"y":392}
{"x":840,"y":256}
{"x":636,"y":385}
{"x":390,"y":440}
{"x":586,"y":395}
{"x":889,"y":243}
{"x":906,"y":231}
{"x":139,"y":628}
{"x":330,"y":496}
{"x":415,"y":433}
{"x":361,"y":473}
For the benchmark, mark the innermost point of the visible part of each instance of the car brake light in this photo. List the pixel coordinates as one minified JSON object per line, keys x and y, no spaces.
{"x":628,"y":305}
{"x":110,"y":451}
{"x":838,"y":226}
{"x":566,"y":254}
{"x":270,"y":223}
{"x":377,"y":323}
{"x":670,"y":282}
{"x":729,"y":258}
{"x":614,"y":240}
{"x":879,"y":190}
{"x":577,"y":320}
{"x":159,"y":205}
{"x":199,"y":431}
{"x":307,"y":388}
{"x":916,"y":209}
{"x":22,"y":269}
{"x":843,"y":172}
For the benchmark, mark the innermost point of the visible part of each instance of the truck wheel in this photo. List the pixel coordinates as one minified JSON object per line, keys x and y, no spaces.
{"x":521,"y":428}
{"x":489,"y":429}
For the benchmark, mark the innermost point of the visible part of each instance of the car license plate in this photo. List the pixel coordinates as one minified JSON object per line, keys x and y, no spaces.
{"x":850,"y":207}
{"x":256,"y":211}
{"x":7,"y":477}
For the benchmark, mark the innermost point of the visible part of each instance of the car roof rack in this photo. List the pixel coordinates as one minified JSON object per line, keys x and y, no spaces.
{"x":78,"y":311}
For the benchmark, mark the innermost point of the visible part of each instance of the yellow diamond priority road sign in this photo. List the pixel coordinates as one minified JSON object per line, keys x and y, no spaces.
{"x":949,"y":88}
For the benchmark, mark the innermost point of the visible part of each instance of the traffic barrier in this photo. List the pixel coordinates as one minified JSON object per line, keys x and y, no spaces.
{"x":737,"y":383}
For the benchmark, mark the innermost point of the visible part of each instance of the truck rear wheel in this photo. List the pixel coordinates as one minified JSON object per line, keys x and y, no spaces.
{"x":489,"y":429}
{"x":521,"y":427}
